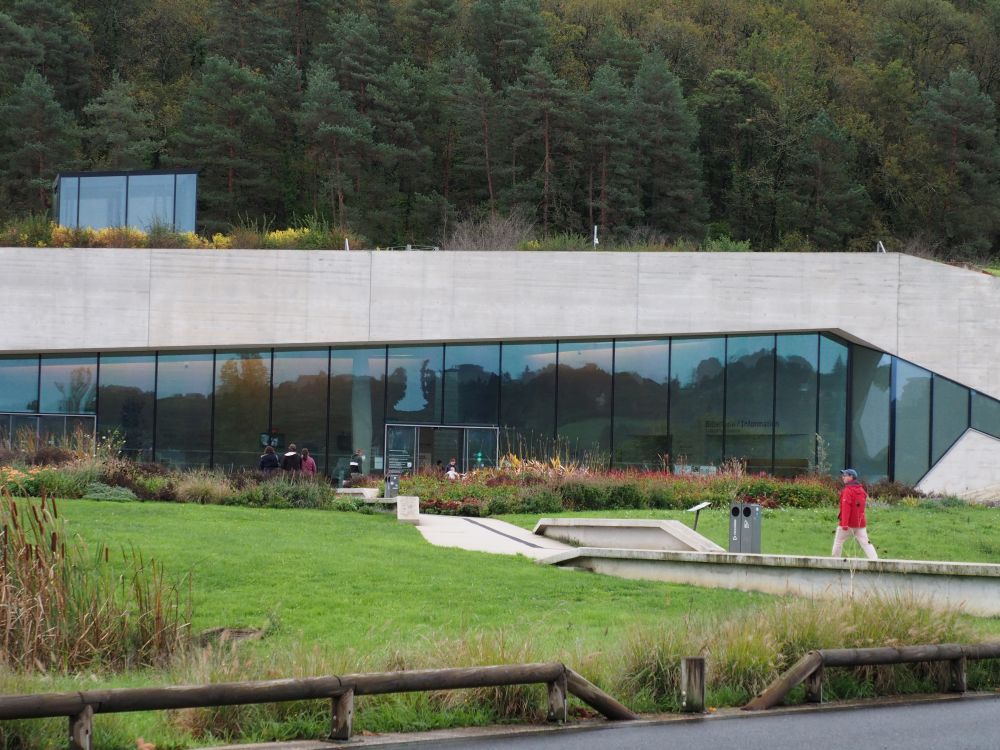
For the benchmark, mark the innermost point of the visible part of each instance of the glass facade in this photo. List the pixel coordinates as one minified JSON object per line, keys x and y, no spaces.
{"x":184,"y":388}
{"x":642,"y":403}
{"x":912,"y":446}
{"x":697,"y":402}
{"x":750,"y":401}
{"x":136,"y":199}
{"x":471,"y":383}
{"x":782,"y":403}
{"x":584,"y":398}
{"x":127,"y":396}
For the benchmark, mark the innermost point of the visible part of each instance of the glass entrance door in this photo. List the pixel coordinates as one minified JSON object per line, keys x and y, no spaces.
{"x":413,"y":448}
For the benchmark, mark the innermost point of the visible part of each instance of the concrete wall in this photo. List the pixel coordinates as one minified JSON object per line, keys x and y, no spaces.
{"x":942,"y":318}
{"x":973,"y":588}
{"x":970,"y":468}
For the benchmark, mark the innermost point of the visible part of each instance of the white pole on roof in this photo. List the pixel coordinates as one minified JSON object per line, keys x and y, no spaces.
{"x":596,"y":241}
{"x":347,"y":244}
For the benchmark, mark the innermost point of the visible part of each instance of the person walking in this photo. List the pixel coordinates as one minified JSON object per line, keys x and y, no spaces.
{"x":308,"y":463}
{"x":852,"y":515}
{"x":291,"y":461}
{"x":269,"y":462}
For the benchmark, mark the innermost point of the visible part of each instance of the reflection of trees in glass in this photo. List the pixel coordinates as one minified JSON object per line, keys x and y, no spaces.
{"x":405,"y":396}
{"x":585,"y":407}
{"x":129,"y":410}
{"x":470,"y":392}
{"x":527,"y":402}
{"x":241,"y":408}
{"x":77,"y":394}
{"x":696,"y":403}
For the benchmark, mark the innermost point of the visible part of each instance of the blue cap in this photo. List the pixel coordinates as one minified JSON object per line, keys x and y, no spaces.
{"x":849,"y":473}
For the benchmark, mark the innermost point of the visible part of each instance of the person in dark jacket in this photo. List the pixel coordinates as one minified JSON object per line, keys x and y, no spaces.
{"x":852,"y":515}
{"x":291,"y":461}
{"x":269,"y":461}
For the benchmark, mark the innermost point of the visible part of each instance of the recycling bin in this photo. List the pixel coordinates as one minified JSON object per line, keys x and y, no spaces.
{"x":744,"y":528}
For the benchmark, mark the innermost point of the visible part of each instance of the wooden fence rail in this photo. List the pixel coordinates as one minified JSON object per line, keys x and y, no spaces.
{"x":810,"y":667}
{"x":339,"y":689}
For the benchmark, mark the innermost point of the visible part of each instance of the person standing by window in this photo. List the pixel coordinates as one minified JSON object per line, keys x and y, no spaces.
{"x":308,"y":463}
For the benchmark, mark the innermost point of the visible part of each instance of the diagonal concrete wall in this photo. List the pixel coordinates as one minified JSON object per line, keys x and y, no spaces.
{"x":942,"y":318}
{"x":970,"y":468}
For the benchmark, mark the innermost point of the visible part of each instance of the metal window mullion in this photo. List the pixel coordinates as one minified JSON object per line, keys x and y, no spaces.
{"x":774,"y":403}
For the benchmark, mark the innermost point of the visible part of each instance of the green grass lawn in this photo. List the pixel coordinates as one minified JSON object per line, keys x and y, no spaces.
{"x":966,"y":533}
{"x":366,"y":583}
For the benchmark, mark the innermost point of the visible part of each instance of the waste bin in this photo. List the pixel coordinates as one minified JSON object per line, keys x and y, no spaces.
{"x":744,"y":528}
{"x":391,"y":485}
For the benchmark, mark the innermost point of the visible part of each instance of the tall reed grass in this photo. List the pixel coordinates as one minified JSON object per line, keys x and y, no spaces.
{"x":64,"y":607}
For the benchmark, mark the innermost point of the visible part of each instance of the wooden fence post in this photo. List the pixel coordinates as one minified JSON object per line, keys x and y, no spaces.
{"x":959,"y":679}
{"x":80,"y":727}
{"x":693,"y":684}
{"x":342,"y":709}
{"x":557,"y":700}
{"x":814,"y":686}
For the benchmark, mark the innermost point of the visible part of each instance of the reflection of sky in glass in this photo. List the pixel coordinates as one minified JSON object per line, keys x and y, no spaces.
{"x":181,"y":374}
{"x":486,"y":356}
{"x":412,"y":360}
{"x":289,"y":366}
{"x":128,"y":371}
{"x":689,"y":354}
{"x":647,"y":359}
{"x":581,"y":353}
{"x":68,"y":384}
{"x":532,"y":357}
{"x":370,"y":362}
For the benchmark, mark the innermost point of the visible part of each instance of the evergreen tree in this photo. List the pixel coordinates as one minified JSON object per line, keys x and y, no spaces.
{"x":427,"y":26}
{"x":338,"y":141}
{"x":505,"y":34}
{"x":958,"y":122}
{"x":254,"y":33}
{"x":284,"y":153}
{"x":225,"y":125}
{"x":120,"y":135}
{"x":67,"y":55}
{"x":355,"y":55}
{"x":667,"y":165}
{"x":543,"y":111}
{"x":820,"y":197}
{"x":470,"y":110}
{"x":38,"y":138}
{"x":612,"y":199}
{"x":19,"y":53}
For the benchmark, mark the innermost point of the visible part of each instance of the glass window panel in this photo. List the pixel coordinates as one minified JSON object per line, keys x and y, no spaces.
{"x":186,"y":202}
{"x":414,"y":383}
{"x":242,"y":395}
{"x":19,"y":383}
{"x":69,"y":384}
{"x":697,"y":373}
{"x":642,"y":394}
{"x":795,"y":409}
{"x":471,"y":383}
{"x":527,"y":399}
{"x":832,"y":430}
{"x":913,"y":423}
{"x":951,"y":415}
{"x":985,"y":414}
{"x":102,"y":202}
{"x":870,"y":413}
{"x":357,"y":402}
{"x":184,"y":408}
{"x":69,"y":198}
{"x":298,"y":406}
{"x":126,"y":398}
{"x":584,"y":396}
{"x":750,"y":400}
{"x":151,"y":201}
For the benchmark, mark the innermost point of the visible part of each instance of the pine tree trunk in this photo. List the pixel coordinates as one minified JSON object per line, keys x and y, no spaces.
{"x":486,"y":153}
{"x":545,"y":180}
{"x":604,"y":191}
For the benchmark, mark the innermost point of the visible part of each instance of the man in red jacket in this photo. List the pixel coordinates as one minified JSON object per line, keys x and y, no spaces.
{"x":852,"y":515}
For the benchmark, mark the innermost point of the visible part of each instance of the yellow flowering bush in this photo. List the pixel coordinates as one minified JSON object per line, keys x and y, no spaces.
{"x":19,"y":482}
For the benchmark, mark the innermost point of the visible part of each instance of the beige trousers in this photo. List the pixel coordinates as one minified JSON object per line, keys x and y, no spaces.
{"x":861,"y":535}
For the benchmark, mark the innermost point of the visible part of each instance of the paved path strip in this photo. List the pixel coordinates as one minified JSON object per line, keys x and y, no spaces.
{"x":486,"y":535}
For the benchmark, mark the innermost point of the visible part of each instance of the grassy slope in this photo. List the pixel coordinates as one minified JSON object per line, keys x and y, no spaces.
{"x":353,"y":582}
{"x":928,"y":532}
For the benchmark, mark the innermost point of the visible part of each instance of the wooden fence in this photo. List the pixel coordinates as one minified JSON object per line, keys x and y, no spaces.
{"x":80,"y":707}
{"x":810,"y":668}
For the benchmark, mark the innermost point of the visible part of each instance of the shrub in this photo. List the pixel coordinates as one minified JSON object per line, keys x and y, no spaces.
{"x":34,"y":230}
{"x":68,"y":481}
{"x":101,"y":491}
{"x":726,"y":244}
{"x":285,"y":492}
{"x":204,"y":487}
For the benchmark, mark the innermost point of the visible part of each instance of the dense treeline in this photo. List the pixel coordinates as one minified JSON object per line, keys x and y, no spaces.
{"x":793,"y":124}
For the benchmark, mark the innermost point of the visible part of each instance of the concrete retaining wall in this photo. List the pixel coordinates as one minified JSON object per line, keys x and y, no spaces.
{"x":625,"y":534}
{"x":939,"y":317}
{"x":970,"y":468}
{"x":975,"y":588}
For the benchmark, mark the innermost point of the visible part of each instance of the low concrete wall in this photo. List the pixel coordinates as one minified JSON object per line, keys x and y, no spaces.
{"x":625,"y":534}
{"x":974,"y":588}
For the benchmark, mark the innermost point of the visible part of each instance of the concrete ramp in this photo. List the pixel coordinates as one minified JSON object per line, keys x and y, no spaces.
{"x":622,"y":533}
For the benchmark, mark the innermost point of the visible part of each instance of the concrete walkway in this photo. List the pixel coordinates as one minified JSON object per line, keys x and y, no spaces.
{"x":486,"y":535}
